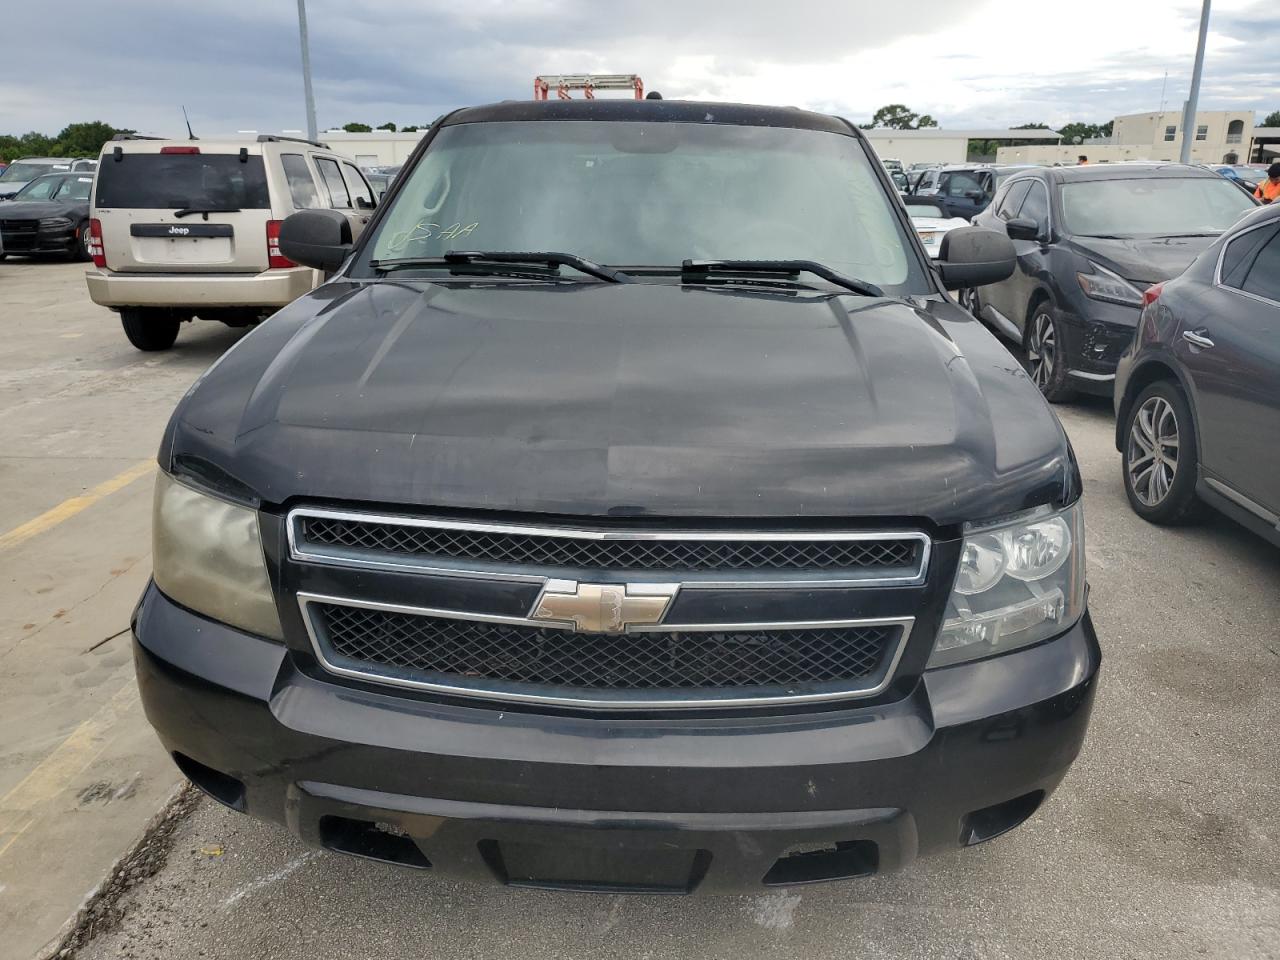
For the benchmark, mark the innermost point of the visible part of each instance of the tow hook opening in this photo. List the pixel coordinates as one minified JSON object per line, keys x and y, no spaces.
{"x":843,"y":860}
{"x":224,"y":788}
{"x":989,"y":822}
{"x":372,"y":841}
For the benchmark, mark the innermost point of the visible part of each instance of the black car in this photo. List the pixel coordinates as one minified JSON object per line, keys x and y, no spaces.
{"x":710,"y":546}
{"x":49,"y":215}
{"x":1198,"y":392}
{"x":965,"y":191}
{"x":1090,"y":240}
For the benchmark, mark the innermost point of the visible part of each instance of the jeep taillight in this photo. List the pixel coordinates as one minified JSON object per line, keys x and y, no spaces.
{"x":276,"y":260}
{"x":96,"y":250}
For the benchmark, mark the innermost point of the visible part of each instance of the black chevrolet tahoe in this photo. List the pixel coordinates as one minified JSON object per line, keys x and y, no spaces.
{"x":632,"y":509}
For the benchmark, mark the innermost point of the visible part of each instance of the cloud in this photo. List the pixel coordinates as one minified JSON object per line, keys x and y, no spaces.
{"x":235,"y":65}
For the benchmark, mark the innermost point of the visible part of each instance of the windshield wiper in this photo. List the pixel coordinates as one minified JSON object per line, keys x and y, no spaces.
{"x":477,"y":258}
{"x":779,"y":268}
{"x":187,"y":211}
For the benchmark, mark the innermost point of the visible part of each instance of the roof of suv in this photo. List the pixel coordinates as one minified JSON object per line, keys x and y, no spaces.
{"x":1128,"y":170}
{"x":659,"y":111}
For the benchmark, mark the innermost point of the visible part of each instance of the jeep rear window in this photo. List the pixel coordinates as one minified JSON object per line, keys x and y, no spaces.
{"x":644,"y":194}
{"x":155,"y":181}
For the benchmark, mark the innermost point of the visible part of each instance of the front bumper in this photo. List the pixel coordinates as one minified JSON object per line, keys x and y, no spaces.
{"x":271,"y":288}
{"x":707,"y":802}
{"x":1094,"y":339}
{"x":40,"y":241}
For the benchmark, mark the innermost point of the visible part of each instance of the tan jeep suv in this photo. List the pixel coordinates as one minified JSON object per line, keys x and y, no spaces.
{"x":189,"y":228}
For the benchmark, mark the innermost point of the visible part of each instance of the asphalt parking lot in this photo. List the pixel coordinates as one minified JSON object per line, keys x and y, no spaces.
{"x":1164,"y":841}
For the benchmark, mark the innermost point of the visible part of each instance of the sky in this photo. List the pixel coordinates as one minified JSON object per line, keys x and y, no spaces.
{"x":235,"y":64}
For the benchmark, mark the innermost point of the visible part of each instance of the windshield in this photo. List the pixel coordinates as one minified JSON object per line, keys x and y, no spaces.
{"x":160,"y":181}
{"x":633,"y":194}
{"x":25,"y":171}
{"x":1160,"y":206}
{"x":39,"y":189}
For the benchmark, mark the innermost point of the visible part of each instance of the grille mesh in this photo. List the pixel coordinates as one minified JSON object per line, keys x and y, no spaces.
{"x":892,"y":556}
{"x":642,"y":661}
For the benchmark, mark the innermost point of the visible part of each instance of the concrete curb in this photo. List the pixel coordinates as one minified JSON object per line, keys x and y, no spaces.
{"x":100,"y":910}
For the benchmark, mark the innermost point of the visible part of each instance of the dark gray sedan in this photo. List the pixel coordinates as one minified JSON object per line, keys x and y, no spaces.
{"x":1198,"y":392}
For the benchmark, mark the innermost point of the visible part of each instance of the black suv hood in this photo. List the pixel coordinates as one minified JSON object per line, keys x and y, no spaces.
{"x":627,"y":399}
{"x":1145,"y":260}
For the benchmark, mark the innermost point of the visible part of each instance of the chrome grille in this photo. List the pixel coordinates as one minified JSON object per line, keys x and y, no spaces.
{"x":614,"y":550}
{"x":750,"y":660}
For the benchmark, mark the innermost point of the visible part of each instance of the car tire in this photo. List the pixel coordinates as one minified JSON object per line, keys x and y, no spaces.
{"x":967,"y":297}
{"x":80,"y":251}
{"x":150,"y":329}
{"x":1042,"y":341}
{"x":1160,"y":455}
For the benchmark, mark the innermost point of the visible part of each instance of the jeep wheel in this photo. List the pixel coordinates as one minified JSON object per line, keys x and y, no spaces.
{"x":1160,"y":456}
{"x":1046,"y":360}
{"x":150,"y":329}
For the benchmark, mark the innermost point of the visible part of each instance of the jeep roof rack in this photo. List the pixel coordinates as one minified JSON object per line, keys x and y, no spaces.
{"x":277,"y":138}
{"x":135,"y":136}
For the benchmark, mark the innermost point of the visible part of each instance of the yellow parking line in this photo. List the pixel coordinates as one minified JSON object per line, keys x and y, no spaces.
{"x":69,"y":508}
{"x":23,"y":805}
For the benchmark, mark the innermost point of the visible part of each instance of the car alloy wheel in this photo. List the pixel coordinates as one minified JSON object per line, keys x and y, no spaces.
{"x":1152,"y":454}
{"x":968,"y":298}
{"x":1042,"y":350}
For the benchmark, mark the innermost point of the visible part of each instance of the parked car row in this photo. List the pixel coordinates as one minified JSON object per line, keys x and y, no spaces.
{"x":50,"y":214}
{"x":22,"y":171}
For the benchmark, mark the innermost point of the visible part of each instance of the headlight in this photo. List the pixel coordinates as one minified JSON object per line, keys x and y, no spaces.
{"x":55,"y":223}
{"x":1102,"y":284}
{"x":207,"y":556}
{"x":1018,"y":583}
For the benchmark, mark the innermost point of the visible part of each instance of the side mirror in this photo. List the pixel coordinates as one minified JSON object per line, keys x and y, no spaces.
{"x":974,"y":194}
{"x":1023,"y":228}
{"x":320,"y":239}
{"x":364,"y":204}
{"x":974,"y":257}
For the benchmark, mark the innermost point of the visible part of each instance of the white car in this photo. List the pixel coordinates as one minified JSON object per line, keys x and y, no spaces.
{"x":931,"y":222}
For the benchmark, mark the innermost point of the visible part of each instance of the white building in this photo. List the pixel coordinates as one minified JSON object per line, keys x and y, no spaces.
{"x":935,"y":145}
{"x":380,"y":148}
{"x":1220,"y":136}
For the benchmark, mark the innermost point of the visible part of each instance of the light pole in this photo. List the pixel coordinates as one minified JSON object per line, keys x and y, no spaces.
{"x":1189,"y":112}
{"x":306,"y":68}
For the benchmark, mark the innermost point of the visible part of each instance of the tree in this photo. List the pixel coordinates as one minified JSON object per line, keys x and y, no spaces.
{"x":85,"y":139}
{"x":410,"y":129}
{"x":387,"y":126}
{"x":1272,"y":119}
{"x":357,"y":128}
{"x":1032,"y":126}
{"x":1077,"y":130}
{"x":895,"y":115}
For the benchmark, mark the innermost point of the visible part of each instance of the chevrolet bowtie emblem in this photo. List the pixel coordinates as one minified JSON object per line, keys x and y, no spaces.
{"x":603,"y":607}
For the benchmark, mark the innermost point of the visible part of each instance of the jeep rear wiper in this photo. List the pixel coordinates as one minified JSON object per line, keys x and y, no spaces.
{"x":477,"y":258}
{"x":779,"y":268}
{"x":187,"y":211}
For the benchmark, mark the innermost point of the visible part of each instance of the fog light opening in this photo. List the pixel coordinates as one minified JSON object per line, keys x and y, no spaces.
{"x":373,"y":841}
{"x":224,"y":788}
{"x":844,"y":860}
{"x":989,"y":822}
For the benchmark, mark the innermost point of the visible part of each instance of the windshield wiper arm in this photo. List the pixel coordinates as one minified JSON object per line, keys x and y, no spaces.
{"x":779,"y":267}
{"x":481,"y":258}
{"x":187,"y":211}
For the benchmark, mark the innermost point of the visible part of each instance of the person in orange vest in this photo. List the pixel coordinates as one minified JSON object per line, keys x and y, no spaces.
{"x":1269,"y":188}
